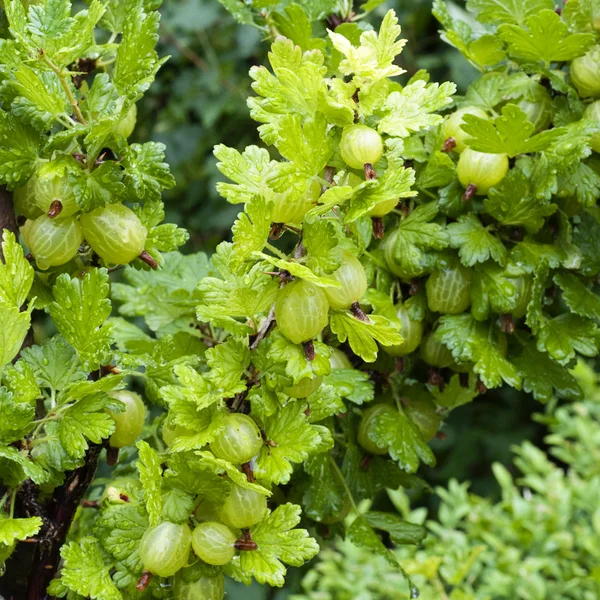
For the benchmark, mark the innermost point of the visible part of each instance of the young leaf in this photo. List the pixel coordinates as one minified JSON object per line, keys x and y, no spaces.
{"x":16,"y":273}
{"x":12,"y":530}
{"x":477,"y":244}
{"x":150,"y":476}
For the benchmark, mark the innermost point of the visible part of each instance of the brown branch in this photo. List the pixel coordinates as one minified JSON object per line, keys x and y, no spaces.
{"x":60,"y":514}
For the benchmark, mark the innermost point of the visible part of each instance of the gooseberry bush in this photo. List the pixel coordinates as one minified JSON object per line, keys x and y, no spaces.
{"x":399,"y":250}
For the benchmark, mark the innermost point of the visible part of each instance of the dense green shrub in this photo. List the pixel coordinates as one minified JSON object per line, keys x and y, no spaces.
{"x":539,"y":541}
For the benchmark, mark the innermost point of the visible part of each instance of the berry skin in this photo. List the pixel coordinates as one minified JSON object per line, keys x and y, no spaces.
{"x":360,"y":145}
{"x":421,"y":411}
{"x":411,"y":331}
{"x":339,"y":360}
{"x":171,"y":431}
{"x":353,"y":279}
{"x":481,"y":170}
{"x":238,"y":441}
{"x":128,"y":424}
{"x":538,"y":108}
{"x":435,"y":353}
{"x":115,"y":233}
{"x":301,"y":311}
{"x":453,"y":125}
{"x":51,"y":184}
{"x":305,"y":388}
{"x":214,"y":543}
{"x":205,"y":588}
{"x":370,"y":417}
{"x":449,"y":290}
{"x":25,"y":202}
{"x":592,"y":113}
{"x":585,"y":73}
{"x":52,"y":242}
{"x":243,"y":508}
{"x":291,"y":205}
{"x":165,"y":549}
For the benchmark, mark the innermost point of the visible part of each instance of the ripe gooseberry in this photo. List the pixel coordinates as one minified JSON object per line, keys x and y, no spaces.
{"x":214,"y":543}
{"x":353,"y":279}
{"x":243,"y":507}
{"x":291,"y":205}
{"x":585,"y":73}
{"x":449,"y":290}
{"x":453,"y":125}
{"x":52,"y":242}
{"x":301,"y":311}
{"x":304,"y":388}
{"x":369,"y":419}
{"x":130,"y":422}
{"x":238,"y":441}
{"x":360,"y":145}
{"x":411,"y":331}
{"x":422,"y":412}
{"x":204,"y":588}
{"x":115,"y":233}
{"x":165,"y":549}
{"x":435,"y":353}
{"x":481,"y":170}
{"x":51,"y":185}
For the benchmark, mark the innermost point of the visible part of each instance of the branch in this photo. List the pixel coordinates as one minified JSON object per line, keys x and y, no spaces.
{"x":7,"y":215}
{"x":60,"y":514}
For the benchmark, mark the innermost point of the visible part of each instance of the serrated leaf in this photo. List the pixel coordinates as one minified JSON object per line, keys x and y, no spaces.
{"x":14,"y":326}
{"x":16,"y":272}
{"x":12,"y":530}
{"x":30,"y":469}
{"x":476,"y":243}
{"x":510,"y":133}
{"x":79,"y":310}
{"x":579,"y":298}
{"x":547,"y":39}
{"x":278,"y":542}
{"x":507,"y":11}
{"x":150,"y":476}
{"x":16,"y":418}
{"x":362,"y":335}
{"x":566,"y":334}
{"x":146,"y":172}
{"x":290,"y":439}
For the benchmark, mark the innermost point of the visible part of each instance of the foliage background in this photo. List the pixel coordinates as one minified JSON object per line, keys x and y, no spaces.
{"x":199,"y":100}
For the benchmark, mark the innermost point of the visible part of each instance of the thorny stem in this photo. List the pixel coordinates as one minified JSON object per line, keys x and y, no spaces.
{"x":66,"y":87}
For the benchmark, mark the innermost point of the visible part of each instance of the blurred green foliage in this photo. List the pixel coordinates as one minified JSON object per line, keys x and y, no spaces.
{"x":539,"y":541}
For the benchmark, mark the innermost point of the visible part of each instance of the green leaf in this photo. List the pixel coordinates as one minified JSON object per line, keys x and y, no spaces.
{"x":321,"y":241}
{"x":16,"y":273}
{"x":79,"y":310}
{"x":228,"y":363}
{"x":439,"y":171}
{"x":146,"y":172}
{"x":362,"y":335}
{"x":84,"y":571}
{"x":511,"y":133}
{"x":18,"y":150}
{"x":469,"y":341}
{"x":104,"y":185}
{"x":563,"y":336}
{"x":239,"y":11}
{"x":30,"y":469}
{"x":513,"y":203}
{"x":55,"y":364}
{"x":476,"y":242}
{"x":374,"y":58}
{"x":137,"y":62}
{"x":12,"y":530}
{"x":150,"y":475}
{"x":492,"y":291}
{"x":362,"y":535}
{"x":14,"y":326}
{"x":547,"y":40}
{"x":290,"y":439}
{"x":354,"y":385}
{"x":42,"y":91}
{"x":413,"y":109}
{"x":326,"y":497}
{"x":582,"y":181}
{"x":85,"y":419}
{"x":586,"y":236}
{"x":542,"y":376}
{"x":250,"y":232}
{"x":579,"y":298}
{"x":402,"y":438}
{"x":507,"y":11}
{"x":248,"y":170}
{"x":278,"y":542}
{"x":401,"y":531}
{"x":416,"y":234}
{"x":16,"y":418}
{"x":20,"y":380}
